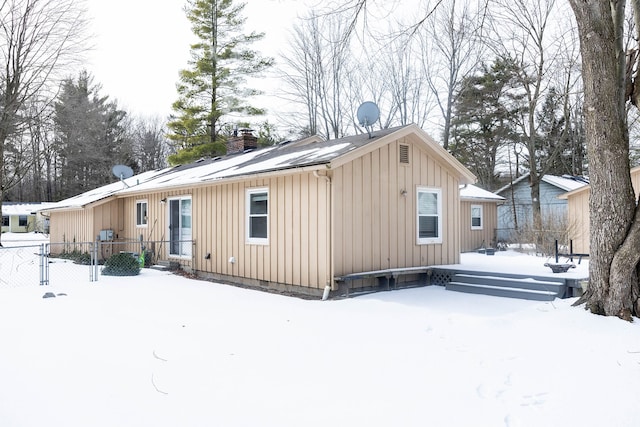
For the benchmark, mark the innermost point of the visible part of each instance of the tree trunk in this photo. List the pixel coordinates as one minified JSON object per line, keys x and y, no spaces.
{"x":613,"y":286}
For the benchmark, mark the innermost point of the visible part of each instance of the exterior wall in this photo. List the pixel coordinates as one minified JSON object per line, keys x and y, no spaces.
{"x":297,"y":253}
{"x":578,"y":214}
{"x":471,"y":239}
{"x":84,"y":225}
{"x":550,"y":206}
{"x":14,"y":224}
{"x":375,"y":224}
{"x":70,"y":227}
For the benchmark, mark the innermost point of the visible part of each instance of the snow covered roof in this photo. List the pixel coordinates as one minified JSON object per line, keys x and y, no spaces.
{"x":564,"y":182}
{"x":473,"y":192}
{"x":12,"y":209}
{"x":306,"y":153}
{"x":104,"y":192}
{"x":276,"y":158}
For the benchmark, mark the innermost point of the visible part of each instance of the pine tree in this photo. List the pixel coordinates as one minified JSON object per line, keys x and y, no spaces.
{"x":90,"y":137}
{"x":485,"y":112}
{"x":213,"y":86}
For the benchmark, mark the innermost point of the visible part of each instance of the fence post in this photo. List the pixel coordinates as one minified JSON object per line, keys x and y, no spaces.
{"x":93,"y":267}
{"x":44,"y":265}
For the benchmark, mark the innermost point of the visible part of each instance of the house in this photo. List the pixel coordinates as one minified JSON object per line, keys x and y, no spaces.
{"x":578,"y":213}
{"x":294,"y":216}
{"x":517,"y":208}
{"x":478,"y":218}
{"x":24,"y":217}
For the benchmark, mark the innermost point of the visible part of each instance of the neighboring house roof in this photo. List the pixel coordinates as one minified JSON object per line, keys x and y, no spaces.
{"x":475,"y":193}
{"x":564,"y":182}
{"x":12,"y":209}
{"x":309,"y":153}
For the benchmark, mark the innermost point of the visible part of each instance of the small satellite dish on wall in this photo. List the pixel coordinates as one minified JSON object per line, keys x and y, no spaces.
{"x":123,"y":172}
{"x":368,"y":113}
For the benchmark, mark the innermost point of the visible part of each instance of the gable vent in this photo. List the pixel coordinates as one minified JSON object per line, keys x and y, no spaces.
{"x":404,"y":154}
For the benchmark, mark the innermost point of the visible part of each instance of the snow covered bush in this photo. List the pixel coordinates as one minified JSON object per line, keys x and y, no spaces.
{"x":122,"y":264}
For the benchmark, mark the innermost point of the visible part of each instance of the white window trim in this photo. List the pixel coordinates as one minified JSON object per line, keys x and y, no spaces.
{"x":145,"y":225}
{"x":429,"y":240}
{"x":255,"y":240}
{"x":477,"y":227}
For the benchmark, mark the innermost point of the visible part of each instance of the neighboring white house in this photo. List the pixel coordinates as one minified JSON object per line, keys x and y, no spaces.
{"x":24,"y":217}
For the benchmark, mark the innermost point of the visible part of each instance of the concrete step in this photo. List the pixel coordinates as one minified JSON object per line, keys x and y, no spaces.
{"x":510,"y":286}
{"x":502,"y":291}
{"x":165,"y":266}
{"x":512,"y":282}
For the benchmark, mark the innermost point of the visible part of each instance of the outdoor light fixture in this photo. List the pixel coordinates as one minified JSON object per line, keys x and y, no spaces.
{"x":163,"y":201}
{"x":403,"y":192}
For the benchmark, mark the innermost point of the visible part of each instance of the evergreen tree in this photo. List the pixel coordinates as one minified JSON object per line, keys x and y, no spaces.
{"x":486,"y":110}
{"x":90,"y":137}
{"x":212,"y":87}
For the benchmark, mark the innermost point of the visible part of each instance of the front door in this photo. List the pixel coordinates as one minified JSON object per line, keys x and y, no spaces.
{"x":180,"y":227}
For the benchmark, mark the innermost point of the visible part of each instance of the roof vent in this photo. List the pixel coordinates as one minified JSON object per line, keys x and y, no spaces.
{"x":404,"y":154}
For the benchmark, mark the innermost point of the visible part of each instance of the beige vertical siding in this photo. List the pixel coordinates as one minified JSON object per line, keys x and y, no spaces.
{"x":298,"y":249}
{"x":71,"y":226}
{"x":473,"y":239}
{"x":375,"y":224}
{"x":578,"y":215}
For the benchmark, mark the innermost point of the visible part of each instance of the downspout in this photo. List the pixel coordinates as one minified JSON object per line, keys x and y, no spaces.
{"x":329,"y":283}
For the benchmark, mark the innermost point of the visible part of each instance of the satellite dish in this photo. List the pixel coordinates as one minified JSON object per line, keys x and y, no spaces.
{"x":368,"y":113}
{"x":122,"y":171}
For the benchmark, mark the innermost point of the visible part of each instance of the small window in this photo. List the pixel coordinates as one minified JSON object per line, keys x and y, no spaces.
{"x":141,"y":213}
{"x":429,"y":215}
{"x":258,"y":216}
{"x":476,"y":217}
{"x":5,"y":220}
{"x":22,"y":221}
{"x":404,"y":154}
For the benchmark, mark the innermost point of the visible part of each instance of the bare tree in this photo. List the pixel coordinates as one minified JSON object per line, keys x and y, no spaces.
{"x":522,"y":28}
{"x":150,"y":145}
{"x":450,"y":48}
{"x":37,"y":38}
{"x":317,"y":66}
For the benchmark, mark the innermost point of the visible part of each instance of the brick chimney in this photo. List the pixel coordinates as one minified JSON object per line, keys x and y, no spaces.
{"x":244,"y":141}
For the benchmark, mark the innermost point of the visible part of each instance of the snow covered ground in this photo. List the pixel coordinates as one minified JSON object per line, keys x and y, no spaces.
{"x":162,"y":350}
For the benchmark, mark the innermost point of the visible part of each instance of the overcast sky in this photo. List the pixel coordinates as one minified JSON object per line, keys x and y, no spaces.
{"x":140,"y":45}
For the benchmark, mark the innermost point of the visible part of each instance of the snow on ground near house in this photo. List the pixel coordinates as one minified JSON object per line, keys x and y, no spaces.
{"x":23,"y":239}
{"x":515,"y":262}
{"x":161,"y":350}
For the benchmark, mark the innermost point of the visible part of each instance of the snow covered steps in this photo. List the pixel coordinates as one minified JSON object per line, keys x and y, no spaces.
{"x":510,"y":286}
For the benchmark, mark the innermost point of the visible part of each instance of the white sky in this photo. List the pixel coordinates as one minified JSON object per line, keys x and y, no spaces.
{"x":140,"y":46}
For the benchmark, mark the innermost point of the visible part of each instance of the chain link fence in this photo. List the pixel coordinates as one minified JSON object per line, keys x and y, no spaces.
{"x":81,"y":261}
{"x":22,"y":265}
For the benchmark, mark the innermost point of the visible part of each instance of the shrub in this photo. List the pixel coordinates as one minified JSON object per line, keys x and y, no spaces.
{"x":122,"y":264}
{"x":78,"y":257}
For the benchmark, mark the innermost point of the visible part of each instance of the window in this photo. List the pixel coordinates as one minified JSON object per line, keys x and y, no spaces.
{"x":258,"y":216}
{"x":476,"y":217}
{"x":22,"y":220}
{"x":5,"y":220}
{"x":141,"y":213}
{"x":429,"y":215}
